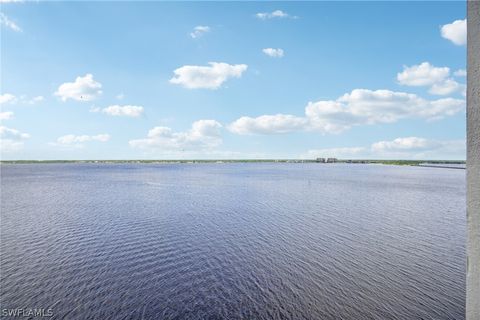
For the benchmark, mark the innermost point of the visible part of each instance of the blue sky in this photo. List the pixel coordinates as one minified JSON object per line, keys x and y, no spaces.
{"x":177,"y":80}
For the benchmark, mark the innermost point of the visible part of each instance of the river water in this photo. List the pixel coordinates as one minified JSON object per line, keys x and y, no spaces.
{"x":233,"y":241}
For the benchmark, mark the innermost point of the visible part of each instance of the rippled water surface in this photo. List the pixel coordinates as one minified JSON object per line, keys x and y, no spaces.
{"x":233,"y":241}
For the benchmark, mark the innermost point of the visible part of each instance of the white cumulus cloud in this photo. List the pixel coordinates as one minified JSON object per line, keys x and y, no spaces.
{"x":425,"y":74}
{"x":447,"y":87}
{"x":359,"y":107}
{"x":117,"y":110}
{"x":268,"y":124}
{"x":399,"y":148}
{"x":207,"y":77}
{"x":274,"y":53}
{"x":460,"y":73}
{"x":199,"y":31}
{"x":203,"y":135}
{"x":82,"y":89}
{"x":11,"y":139}
{"x":401,"y":144}
{"x":419,"y":148}
{"x":7,"y":98}
{"x":455,"y":32}
{"x":5,"y":21}
{"x":279,"y":14}
{"x":35,"y":100}
{"x":71,"y":140}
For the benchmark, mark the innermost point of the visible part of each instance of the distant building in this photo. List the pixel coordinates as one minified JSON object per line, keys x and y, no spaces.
{"x":321,"y":160}
{"x":331,"y":160}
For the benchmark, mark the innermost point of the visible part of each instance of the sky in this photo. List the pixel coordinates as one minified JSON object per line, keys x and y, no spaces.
{"x":232,"y":80}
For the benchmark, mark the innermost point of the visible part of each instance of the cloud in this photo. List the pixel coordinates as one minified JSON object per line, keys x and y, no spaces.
{"x":120,"y":96}
{"x":7,"y":115}
{"x":207,"y":77}
{"x":7,"y":98}
{"x":5,"y":21}
{"x":340,"y":153}
{"x":363,"y":106}
{"x":8,"y":133}
{"x":425,"y":74}
{"x":116,"y":110}
{"x":274,"y":53}
{"x":277,"y":14}
{"x":82,"y":89}
{"x":199,"y":31}
{"x":402,"y":144}
{"x":460,"y":73}
{"x":419,"y":148}
{"x":455,"y":32}
{"x":399,"y":148}
{"x":268,"y":124}
{"x":446,"y":87}
{"x":11,"y":139}
{"x":10,"y":1}
{"x":35,"y":100}
{"x":204,"y":135}
{"x":71,"y":140}
{"x":359,"y":107}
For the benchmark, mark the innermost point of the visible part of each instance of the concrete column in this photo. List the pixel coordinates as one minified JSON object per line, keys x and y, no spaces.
{"x":473,"y":160}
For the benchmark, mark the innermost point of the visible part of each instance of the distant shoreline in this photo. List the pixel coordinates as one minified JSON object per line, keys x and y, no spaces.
{"x":423,"y":163}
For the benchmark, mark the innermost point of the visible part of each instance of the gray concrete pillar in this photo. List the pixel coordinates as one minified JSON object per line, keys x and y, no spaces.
{"x":473,"y":160}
